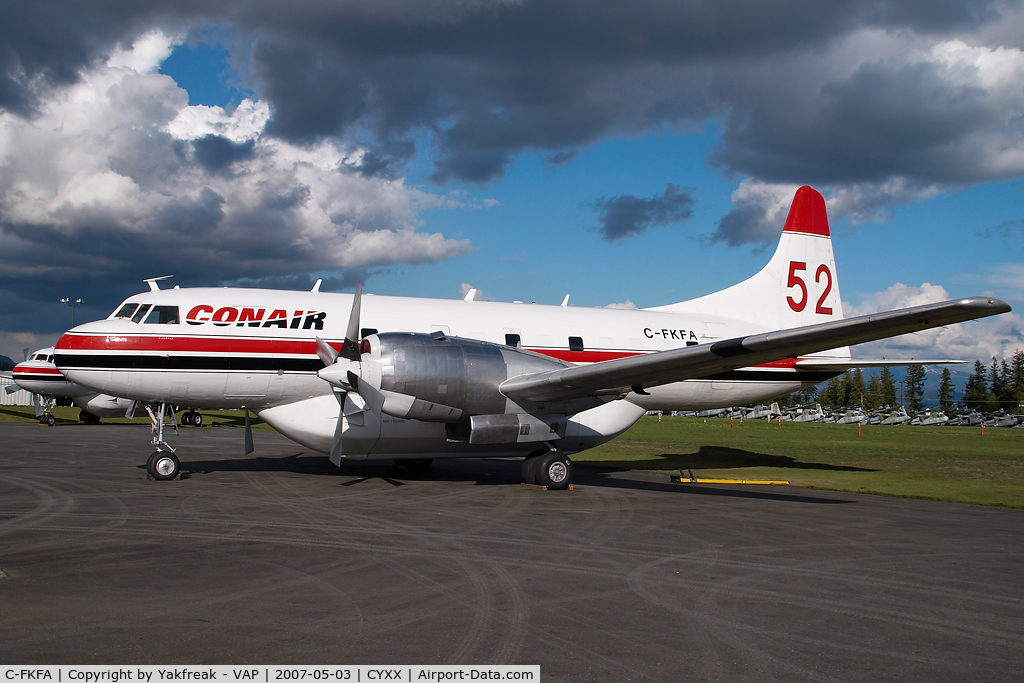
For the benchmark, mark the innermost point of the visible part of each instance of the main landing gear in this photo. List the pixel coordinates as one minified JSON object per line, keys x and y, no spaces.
{"x":548,"y":468}
{"x":88,"y":418}
{"x":191,"y":418}
{"x":162,"y":464}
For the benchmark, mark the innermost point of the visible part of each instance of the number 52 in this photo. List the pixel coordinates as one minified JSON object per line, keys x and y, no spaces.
{"x":796,"y":281}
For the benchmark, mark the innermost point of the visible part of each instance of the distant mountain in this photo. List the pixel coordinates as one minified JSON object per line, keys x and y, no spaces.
{"x":6,"y":363}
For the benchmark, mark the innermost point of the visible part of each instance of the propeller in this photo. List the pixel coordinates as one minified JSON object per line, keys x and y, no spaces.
{"x":249,"y":447}
{"x":342,"y":371}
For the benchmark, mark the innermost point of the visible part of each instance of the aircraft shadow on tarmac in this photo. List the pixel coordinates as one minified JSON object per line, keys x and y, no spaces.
{"x":494,"y":472}
{"x":721,"y":458}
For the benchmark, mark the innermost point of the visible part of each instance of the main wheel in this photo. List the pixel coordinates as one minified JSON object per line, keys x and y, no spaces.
{"x":554,"y":470}
{"x":163,"y":466}
{"x":529,"y":467}
{"x":197,"y":420}
{"x":419,"y":463}
{"x":50,"y":419}
{"x":186,"y":418}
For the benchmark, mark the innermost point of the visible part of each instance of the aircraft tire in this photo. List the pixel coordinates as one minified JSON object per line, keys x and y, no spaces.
{"x":529,"y":467}
{"x":418,"y":463}
{"x":163,"y":466}
{"x":186,"y":418}
{"x":553,"y":470}
{"x":48,"y":420}
{"x":197,"y":420}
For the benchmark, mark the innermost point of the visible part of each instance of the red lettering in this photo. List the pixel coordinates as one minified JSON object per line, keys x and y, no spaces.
{"x":795,"y":281}
{"x":249,"y":314}
{"x":828,"y":288}
{"x":225,"y":316}
{"x":193,"y":316}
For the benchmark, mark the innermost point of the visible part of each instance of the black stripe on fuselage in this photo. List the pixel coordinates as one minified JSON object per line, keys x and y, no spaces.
{"x":39,"y":378}
{"x":262,"y":363}
{"x":246,"y":363}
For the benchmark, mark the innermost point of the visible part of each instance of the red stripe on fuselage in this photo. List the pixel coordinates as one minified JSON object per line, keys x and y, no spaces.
{"x":76,"y":342}
{"x":22,"y":370}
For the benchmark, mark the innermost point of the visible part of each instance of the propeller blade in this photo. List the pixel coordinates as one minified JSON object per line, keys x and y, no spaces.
{"x":350,"y":349}
{"x":130,"y":413}
{"x":372,"y":397}
{"x":249,"y":448}
{"x":336,"y":447}
{"x":37,"y":404}
{"x":326,"y":352}
{"x":11,"y":388}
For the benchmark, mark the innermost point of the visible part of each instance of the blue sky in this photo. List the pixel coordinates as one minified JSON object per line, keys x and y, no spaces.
{"x":481,"y":145}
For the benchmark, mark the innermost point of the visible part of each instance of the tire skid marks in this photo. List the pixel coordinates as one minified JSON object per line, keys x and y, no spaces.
{"x":52,"y":503}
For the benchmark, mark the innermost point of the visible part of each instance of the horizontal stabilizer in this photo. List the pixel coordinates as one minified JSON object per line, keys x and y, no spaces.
{"x":676,"y":365}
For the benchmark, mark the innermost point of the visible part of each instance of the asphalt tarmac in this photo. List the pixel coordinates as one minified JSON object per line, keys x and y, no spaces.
{"x":280,"y":558}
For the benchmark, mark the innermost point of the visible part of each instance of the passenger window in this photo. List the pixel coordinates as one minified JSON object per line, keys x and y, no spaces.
{"x":512,"y":340}
{"x":366,"y":332}
{"x":141,"y":313}
{"x":163,"y":315}
{"x":575,"y":343}
{"x":126,"y":311}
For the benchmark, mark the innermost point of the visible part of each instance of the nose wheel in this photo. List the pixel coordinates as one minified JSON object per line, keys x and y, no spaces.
{"x":163,"y":466}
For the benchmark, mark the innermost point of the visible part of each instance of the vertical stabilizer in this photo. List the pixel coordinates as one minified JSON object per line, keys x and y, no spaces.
{"x":798,"y":286}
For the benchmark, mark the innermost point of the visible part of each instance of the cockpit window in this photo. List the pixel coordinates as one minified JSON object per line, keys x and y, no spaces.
{"x":39,"y":356}
{"x":49,"y":359}
{"x":163,"y":315}
{"x":126,"y":311}
{"x":141,"y":313}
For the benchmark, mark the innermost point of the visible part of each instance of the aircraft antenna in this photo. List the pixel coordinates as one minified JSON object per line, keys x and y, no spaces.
{"x":152,"y":282}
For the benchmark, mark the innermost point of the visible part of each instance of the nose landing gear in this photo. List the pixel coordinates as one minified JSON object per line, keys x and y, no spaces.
{"x":162,"y":465}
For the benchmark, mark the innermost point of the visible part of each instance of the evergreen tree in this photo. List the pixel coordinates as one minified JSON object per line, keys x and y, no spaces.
{"x":976,"y":391}
{"x":873,"y":396}
{"x":995,"y":380}
{"x":856,"y":389}
{"x":888,"y":387}
{"x":829,"y":396}
{"x":914,"y":384}
{"x":946,"y":390}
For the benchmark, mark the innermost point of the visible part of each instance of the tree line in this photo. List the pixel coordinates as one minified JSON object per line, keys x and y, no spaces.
{"x":1000,"y":385}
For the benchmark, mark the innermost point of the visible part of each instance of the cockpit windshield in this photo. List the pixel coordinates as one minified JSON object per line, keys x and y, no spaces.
{"x":126,"y":311}
{"x":141,"y":313}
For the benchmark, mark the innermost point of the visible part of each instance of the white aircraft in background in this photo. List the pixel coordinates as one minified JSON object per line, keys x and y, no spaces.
{"x":39,"y":376}
{"x":414,"y":379}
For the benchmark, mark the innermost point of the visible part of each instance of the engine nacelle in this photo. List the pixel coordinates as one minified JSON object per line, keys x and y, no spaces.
{"x":463,"y":374}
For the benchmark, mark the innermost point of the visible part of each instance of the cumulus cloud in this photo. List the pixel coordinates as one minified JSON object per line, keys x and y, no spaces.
{"x":762,"y":207}
{"x":627,"y":215}
{"x":1000,"y":336}
{"x":625,"y":305}
{"x":116,"y":178}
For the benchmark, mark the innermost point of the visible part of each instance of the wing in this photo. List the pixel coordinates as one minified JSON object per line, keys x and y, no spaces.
{"x":693,"y":362}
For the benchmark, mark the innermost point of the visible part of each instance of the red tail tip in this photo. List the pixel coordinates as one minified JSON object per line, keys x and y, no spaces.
{"x":808,"y":213}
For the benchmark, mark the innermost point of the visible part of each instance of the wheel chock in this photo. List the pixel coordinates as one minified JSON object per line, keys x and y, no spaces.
{"x":536,"y":487}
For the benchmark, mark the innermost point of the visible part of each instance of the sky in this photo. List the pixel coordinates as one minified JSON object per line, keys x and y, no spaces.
{"x":630,"y":154}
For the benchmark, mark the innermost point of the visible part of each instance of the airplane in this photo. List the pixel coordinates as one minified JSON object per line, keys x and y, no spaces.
{"x":414,"y":379}
{"x":38,"y":375}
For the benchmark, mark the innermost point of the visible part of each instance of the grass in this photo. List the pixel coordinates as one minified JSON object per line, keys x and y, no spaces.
{"x":938,"y":463}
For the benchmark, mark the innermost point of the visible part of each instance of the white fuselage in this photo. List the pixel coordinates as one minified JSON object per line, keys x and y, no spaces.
{"x":230,"y":348}
{"x":39,"y":375}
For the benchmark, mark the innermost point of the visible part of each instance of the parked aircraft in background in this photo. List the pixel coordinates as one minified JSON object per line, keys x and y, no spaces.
{"x":380,"y":377}
{"x":39,"y":376}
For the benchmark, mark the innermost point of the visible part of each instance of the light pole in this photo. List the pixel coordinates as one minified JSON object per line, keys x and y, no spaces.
{"x":73,"y":304}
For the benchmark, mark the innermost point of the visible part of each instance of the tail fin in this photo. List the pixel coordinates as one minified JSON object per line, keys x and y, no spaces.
{"x":798,"y":286}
